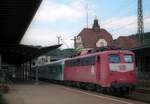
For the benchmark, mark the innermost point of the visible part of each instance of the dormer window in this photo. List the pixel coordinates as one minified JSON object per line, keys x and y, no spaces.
{"x":101,"y":43}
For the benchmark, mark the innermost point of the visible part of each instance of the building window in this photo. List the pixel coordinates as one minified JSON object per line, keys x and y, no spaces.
{"x":101,"y":43}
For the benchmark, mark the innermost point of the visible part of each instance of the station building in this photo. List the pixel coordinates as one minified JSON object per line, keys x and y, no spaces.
{"x":93,"y":37}
{"x":98,"y":37}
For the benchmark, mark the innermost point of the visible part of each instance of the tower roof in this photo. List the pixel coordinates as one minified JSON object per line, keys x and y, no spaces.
{"x":90,"y":37}
{"x":96,"y":26}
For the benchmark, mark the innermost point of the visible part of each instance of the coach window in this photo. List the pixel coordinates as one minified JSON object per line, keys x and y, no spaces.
{"x":50,"y":71}
{"x":83,"y":62}
{"x":92,"y":60}
{"x":74,"y":62}
{"x":71,"y":63}
{"x":114,"y":58}
{"x":68,"y":63}
{"x":78,"y":62}
{"x":86,"y":61}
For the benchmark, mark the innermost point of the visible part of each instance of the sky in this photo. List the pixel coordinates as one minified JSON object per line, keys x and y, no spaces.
{"x":66,"y":18}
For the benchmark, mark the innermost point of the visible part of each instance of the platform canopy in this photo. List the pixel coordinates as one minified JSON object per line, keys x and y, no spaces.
{"x":15,"y":17}
{"x":17,"y":54}
{"x":142,"y":51}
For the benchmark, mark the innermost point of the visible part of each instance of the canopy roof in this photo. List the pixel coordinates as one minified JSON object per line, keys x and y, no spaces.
{"x":15,"y":17}
{"x":17,"y":54}
{"x":143,"y":50}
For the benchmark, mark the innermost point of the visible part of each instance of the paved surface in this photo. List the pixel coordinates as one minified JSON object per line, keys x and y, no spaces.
{"x":55,"y":94}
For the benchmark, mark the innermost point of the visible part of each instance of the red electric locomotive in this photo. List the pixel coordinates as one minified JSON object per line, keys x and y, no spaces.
{"x":107,"y":71}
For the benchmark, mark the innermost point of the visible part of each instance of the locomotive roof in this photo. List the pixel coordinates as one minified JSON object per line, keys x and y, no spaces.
{"x":82,"y":56}
{"x":58,"y":61}
{"x":103,"y":52}
{"x":55,"y":62}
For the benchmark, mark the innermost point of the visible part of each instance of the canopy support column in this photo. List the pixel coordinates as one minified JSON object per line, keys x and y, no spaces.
{"x":0,"y":62}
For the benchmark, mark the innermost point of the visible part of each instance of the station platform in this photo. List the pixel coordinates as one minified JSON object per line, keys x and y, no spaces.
{"x":56,"y":94}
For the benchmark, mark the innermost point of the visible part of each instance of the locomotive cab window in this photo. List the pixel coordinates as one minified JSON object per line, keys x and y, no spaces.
{"x":128,"y":58}
{"x":114,"y":58}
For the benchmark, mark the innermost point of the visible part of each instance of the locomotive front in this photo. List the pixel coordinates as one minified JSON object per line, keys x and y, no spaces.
{"x":121,"y":71}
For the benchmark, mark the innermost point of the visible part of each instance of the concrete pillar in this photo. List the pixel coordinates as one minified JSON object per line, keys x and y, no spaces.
{"x":2,"y":70}
{"x":0,"y":62}
{"x":25,"y":71}
{"x":30,"y":69}
{"x":37,"y":76}
{"x":22,"y":69}
{"x":1,"y":65}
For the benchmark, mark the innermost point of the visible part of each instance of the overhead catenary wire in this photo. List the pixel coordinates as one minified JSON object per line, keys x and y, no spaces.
{"x":131,"y":23}
{"x":129,"y":9}
{"x":64,"y":43}
{"x":146,"y":10}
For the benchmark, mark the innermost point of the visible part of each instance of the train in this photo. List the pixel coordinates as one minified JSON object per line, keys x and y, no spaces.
{"x":111,"y":71}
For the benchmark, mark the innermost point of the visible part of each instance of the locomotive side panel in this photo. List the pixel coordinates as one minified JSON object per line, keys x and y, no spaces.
{"x":104,"y":71}
{"x":98,"y":68}
{"x":81,"y":69}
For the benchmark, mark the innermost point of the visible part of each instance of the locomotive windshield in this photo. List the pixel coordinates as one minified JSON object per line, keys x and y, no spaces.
{"x":114,"y":58}
{"x":128,"y":58}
